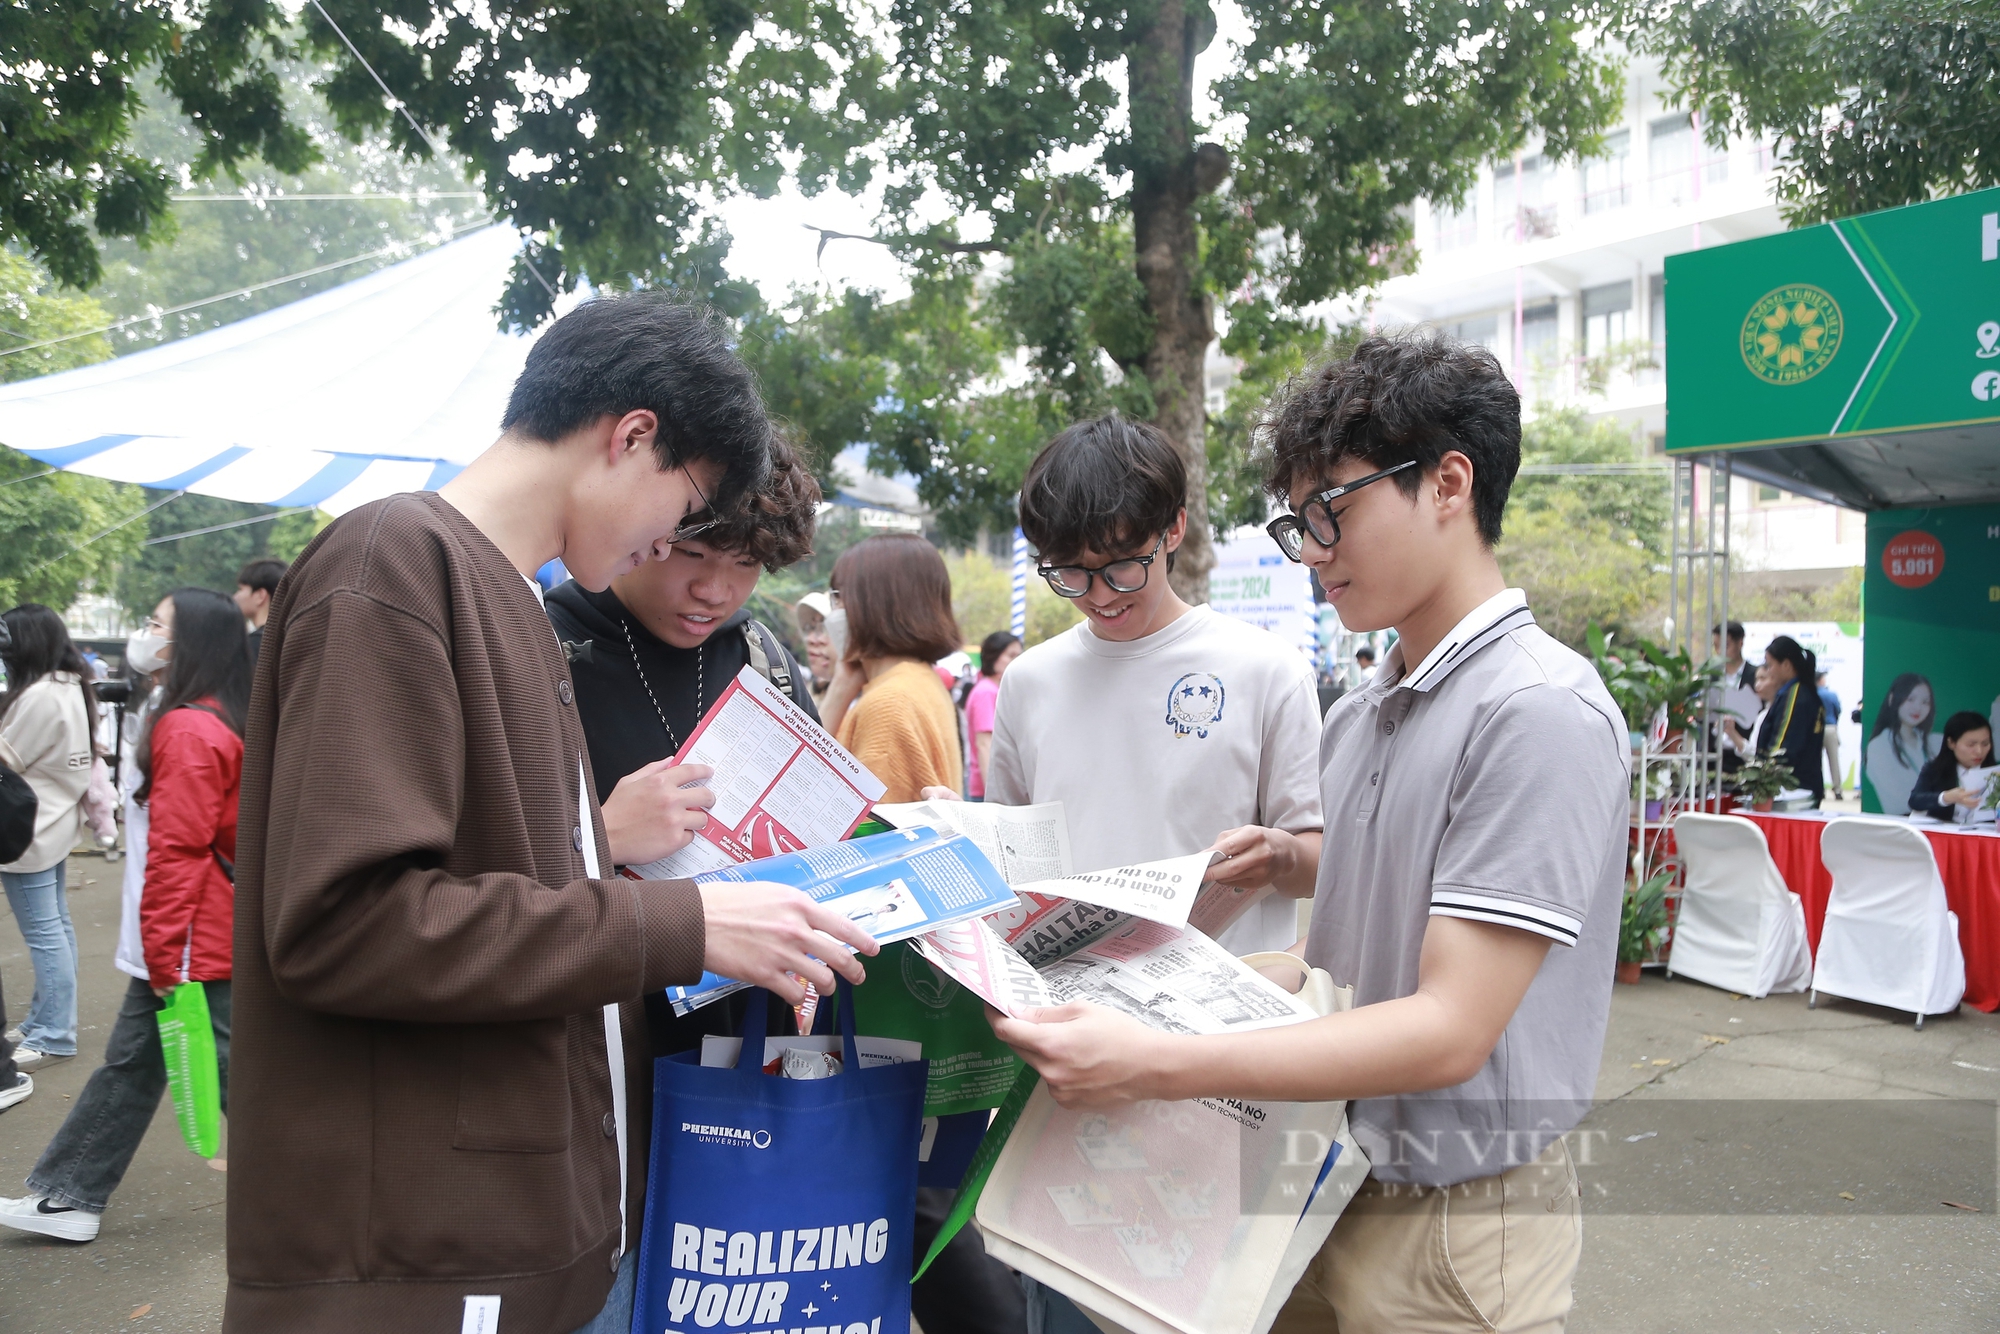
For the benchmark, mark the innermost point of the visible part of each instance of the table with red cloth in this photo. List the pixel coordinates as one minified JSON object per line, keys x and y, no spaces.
{"x":1968,"y":861}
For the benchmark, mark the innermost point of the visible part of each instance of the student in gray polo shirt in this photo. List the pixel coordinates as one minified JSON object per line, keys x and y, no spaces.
{"x":1469,"y":886}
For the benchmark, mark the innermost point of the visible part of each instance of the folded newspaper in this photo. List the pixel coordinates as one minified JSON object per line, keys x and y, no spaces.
{"x":894,"y":886}
{"x":1061,"y":911}
{"x":1176,"y":980}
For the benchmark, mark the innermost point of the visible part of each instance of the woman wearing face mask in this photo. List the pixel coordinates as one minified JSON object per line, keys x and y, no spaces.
{"x":1950,"y":788}
{"x":812,"y":612}
{"x":190,"y":764}
{"x":45,"y":735}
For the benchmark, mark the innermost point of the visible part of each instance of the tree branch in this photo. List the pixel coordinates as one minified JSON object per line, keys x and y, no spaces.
{"x":827,"y":234}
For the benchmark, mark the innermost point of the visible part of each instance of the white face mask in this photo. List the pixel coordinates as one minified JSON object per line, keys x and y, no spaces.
{"x":143,"y":652}
{"x":836,"y":633}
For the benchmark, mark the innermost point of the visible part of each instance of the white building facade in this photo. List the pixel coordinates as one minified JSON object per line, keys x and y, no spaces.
{"x":1559,"y":268}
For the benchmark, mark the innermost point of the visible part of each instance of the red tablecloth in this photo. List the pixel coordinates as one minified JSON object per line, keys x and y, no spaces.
{"x":1969,"y":864}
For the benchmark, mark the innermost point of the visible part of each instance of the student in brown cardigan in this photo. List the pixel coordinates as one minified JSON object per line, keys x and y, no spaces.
{"x":439,"y":1091}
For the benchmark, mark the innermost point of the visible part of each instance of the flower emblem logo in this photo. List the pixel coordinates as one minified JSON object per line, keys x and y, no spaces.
{"x":1791,"y":334}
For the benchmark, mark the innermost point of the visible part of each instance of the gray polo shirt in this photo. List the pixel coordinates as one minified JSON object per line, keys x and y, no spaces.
{"x":1490,"y":783}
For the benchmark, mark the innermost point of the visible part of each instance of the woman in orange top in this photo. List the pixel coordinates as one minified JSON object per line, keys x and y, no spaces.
{"x":886,"y":705}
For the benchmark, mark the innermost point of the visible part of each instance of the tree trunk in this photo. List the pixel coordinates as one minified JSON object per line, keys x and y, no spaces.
{"x":1165,"y":185}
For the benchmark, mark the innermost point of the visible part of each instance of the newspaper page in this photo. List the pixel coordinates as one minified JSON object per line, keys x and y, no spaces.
{"x":1219,"y":906}
{"x":1027,"y":843}
{"x":1176,"y":980}
{"x":973,"y":955}
{"x":1162,"y":891}
{"x":1045,"y":927}
{"x":1179,"y":981}
{"x":782,"y":783}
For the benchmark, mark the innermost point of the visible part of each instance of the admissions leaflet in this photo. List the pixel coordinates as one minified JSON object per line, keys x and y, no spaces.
{"x":894,"y":885}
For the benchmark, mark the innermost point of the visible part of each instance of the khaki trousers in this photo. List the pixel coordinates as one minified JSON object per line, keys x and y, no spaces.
{"x":1497,"y":1253}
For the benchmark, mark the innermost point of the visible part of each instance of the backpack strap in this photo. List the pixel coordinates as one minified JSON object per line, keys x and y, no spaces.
{"x":767,"y":655}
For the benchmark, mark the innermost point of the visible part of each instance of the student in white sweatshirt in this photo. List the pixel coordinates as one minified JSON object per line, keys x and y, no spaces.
{"x":45,"y":726}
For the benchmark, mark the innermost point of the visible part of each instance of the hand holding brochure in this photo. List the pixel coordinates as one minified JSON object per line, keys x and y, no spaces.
{"x":782,"y":783}
{"x":894,"y":885}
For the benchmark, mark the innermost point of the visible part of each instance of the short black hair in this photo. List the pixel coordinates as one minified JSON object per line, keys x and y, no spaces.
{"x":1102,"y":485}
{"x":1735,"y":630}
{"x":1410,"y":394}
{"x":1364,"y":652}
{"x":774,"y":526}
{"x":617,"y":354}
{"x":263,"y":572}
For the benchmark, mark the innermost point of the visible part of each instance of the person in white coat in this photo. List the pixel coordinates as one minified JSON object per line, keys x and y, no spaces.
{"x":46,"y":722}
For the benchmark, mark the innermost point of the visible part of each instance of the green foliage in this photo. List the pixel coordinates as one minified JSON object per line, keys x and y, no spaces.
{"x":218,"y":247}
{"x":44,"y":520}
{"x":1767,"y":597}
{"x":1642,"y":918}
{"x":209,"y":560}
{"x":1635,"y":504}
{"x":44,"y":523}
{"x":982,"y":598}
{"x":1577,"y":568}
{"x":1876,"y":102}
{"x":1648,"y":676}
{"x":1762,"y":777}
{"x":70,"y":95}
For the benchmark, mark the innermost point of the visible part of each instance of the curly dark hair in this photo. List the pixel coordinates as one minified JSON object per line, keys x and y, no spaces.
{"x":776,"y":524}
{"x":1410,"y":394}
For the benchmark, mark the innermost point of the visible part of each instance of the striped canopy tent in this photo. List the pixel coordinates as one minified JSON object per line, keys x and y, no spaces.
{"x":392,"y":382}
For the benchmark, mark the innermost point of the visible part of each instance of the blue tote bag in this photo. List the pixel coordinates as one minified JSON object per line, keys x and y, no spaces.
{"x":780,"y":1206}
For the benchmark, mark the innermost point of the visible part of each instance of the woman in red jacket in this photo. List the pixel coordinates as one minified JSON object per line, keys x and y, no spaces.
{"x":191,"y":758}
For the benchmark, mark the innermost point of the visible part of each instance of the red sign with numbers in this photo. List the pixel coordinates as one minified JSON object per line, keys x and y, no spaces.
{"x":1913,"y":559}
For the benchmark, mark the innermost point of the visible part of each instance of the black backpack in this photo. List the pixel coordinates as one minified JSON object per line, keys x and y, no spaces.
{"x":17,"y":814}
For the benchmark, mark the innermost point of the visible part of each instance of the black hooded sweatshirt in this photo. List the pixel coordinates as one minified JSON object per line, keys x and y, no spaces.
{"x":621,"y":724}
{"x":622,"y":728}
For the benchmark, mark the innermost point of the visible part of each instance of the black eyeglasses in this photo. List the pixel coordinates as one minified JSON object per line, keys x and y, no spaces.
{"x":690,"y":528}
{"x":1120,"y":576}
{"x":1316,"y":516}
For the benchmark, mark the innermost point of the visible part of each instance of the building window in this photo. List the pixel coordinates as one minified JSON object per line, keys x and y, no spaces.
{"x":1607,"y":318}
{"x":1539,"y":353}
{"x":1454,"y":228}
{"x":1656,"y":310}
{"x":1528,"y":197}
{"x":1681,"y":164}
{"x":1768,"y":495}
{"x":1481,"y":329}
{"x":1605,"y":182}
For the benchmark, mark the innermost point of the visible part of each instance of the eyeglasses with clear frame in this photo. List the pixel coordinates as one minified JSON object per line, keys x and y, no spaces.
{"x":1120,"y":576}
{"x":1316,"y":515}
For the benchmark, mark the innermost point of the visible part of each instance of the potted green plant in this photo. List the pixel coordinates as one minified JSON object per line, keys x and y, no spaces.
{"x":1641,"y":923}
{"x":1760,"y":778}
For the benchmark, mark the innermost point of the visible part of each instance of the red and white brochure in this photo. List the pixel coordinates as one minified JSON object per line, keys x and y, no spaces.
{"x":782,"y":783}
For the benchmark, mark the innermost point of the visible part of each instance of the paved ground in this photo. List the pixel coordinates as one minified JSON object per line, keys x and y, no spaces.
{"x":1741,"y":1132}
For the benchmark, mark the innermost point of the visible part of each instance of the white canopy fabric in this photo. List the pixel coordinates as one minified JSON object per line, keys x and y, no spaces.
{"x":392,"y":382}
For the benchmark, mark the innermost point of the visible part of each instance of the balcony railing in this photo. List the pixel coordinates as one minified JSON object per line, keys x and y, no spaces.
{"x":1684,"y":184}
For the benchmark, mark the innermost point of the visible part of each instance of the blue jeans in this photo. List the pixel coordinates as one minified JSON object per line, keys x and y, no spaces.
{"x":87,"y":1159}
{"x":616,"y":1317}
{"x":42,"y":910}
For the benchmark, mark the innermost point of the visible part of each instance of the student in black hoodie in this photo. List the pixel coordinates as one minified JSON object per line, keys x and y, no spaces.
{"x":652,"y":653}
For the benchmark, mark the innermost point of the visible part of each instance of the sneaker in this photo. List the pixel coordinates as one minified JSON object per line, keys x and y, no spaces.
{"x":14,"y":1035}
{"x":34,"y":1213}
{"x":27,"y":1058}
{"x":23,"y":1086}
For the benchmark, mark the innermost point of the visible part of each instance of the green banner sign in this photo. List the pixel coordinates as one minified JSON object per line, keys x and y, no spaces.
{"x":1932,"y":590}
{"x":1884,"y":323}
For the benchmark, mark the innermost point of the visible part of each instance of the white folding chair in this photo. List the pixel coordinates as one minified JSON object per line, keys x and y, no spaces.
{"x":1889,"y":938}
{"x":1740,"y":928}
